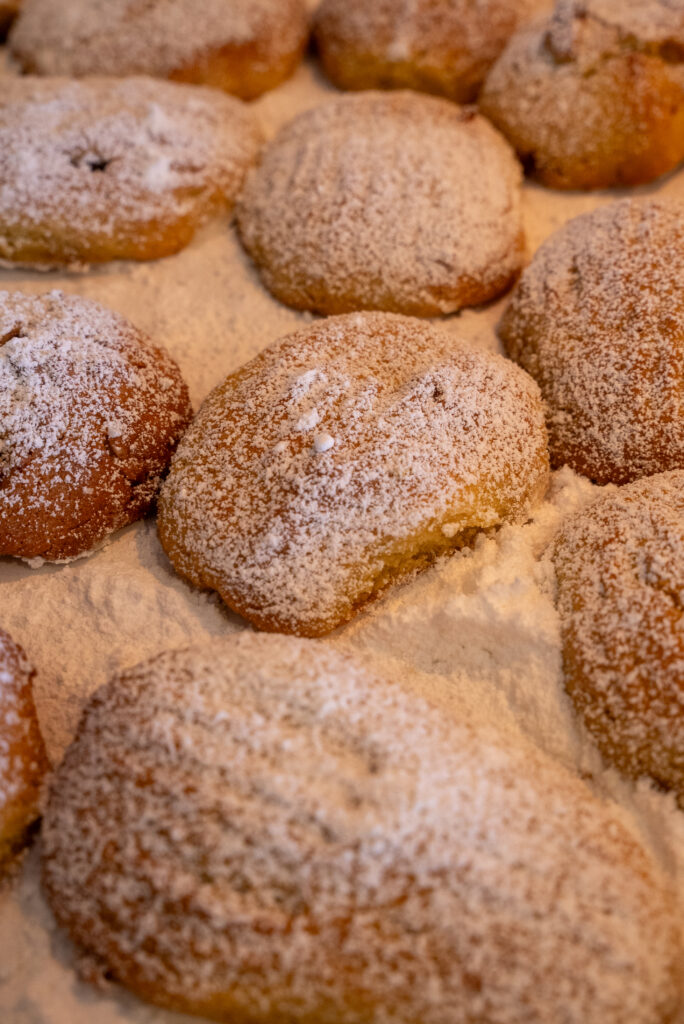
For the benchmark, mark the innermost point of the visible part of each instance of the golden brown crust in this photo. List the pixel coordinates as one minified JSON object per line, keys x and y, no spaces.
{"x":23,"y":762}
{"x":437,"y":46}
{"x":244,"y":47}
{"x":598,"y":320}
{"x":261,"y":831}
{"x":620,"y":570}
{"x":104,"y":169}
{"x":391,"y":201}
{"x":589,"y":102}
{"x":90,"y":415}
{"x":8,"y":12}
{"x":344,"y":457}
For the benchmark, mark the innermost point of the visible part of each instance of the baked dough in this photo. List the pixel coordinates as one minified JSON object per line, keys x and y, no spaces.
{"x":103,"y":169}
{"x":259,"y":830}
{"x":594,"y":98}
{"x":344,"y":457}
{"x":8,"y":12}
{"x":391,"y":201}
{"x":89,"y":417}
{"x":438,"y":46}
{"x":598,"y":320}
{"x":23,"y":762}
{"x":620,"y":569}
{"x":242,"y":46}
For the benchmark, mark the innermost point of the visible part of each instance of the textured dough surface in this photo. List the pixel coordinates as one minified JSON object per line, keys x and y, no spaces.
{"x":392,"y":201}
{"x":346,"y":456}
{"x":598,"y":320}
{"x":103,"y":169}
{"x":89,"y":417}
{"x":594,"y":97}
{"x":259,"y":830}
{"x":22,"y":755}
{"x":620,"y":570}
{"x":242,"y":46}
{"x":438,"y":46}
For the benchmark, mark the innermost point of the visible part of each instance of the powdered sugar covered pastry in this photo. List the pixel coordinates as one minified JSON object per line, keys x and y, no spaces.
{"x":594,"y":97}
{"x":89,"y":416}
{"x":620,"y":569}
{"x":22,"y":755}
{"x":103,"y":169}
{"x":598,"y":320}
{"x":344,"y":457}
{"x":242,"y":46}
{"x":260,"y":830}
{"x":439,"y":46}
{"x":392,"y":201}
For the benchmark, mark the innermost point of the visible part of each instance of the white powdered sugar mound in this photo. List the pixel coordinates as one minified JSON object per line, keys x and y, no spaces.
{"x":478,"y":634}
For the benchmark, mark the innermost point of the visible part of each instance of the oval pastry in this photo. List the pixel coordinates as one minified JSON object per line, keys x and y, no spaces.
{"x":89,"y":416}
{"x":391,"y":201}
{"x":260,"y":830}
{"x":242,"y":46}
{"x":594,"y":97}
{"x":23,"y":762}
{"x":103,"y":169}
{"x":620,"y":570}
{"x":598,"y":320}
{"x":346,"y":456}
{"x":439,"y":46}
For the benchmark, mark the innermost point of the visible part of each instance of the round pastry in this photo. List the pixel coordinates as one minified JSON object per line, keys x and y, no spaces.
{"x":437,"y":46}
{"x":8,"y":12}
{"x":259,"y":830}
{"x":594,"y":97}
{"x":620,"y":570}
{"x":598,"y":320}
{"x":392,"y":201}
{"x":89,"y":417}
{"x":344,"y":457}
{"x":105,"y":169}
{"x":242,"y":46}
{"x":23,"y":762}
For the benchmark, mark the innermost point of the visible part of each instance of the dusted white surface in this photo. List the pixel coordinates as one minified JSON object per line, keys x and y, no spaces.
{"x":478,"y":634}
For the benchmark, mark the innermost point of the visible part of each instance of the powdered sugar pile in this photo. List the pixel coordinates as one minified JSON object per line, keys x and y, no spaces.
{"x":478,"y":635}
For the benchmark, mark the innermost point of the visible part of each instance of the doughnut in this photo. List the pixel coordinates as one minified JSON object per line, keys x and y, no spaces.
{"x":437,"y":46}
{"x":620,"y":571}
{"x":23,"y":761}
{"x":594,"y":97}
{"x":103,"y":169}
{"x":598,"y":320}
{"x":346,"y":456}
{"x":258,"y":830}
{"x":244,"y":47}
{"x":90,"y":414}
{"x":391,"y":201}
